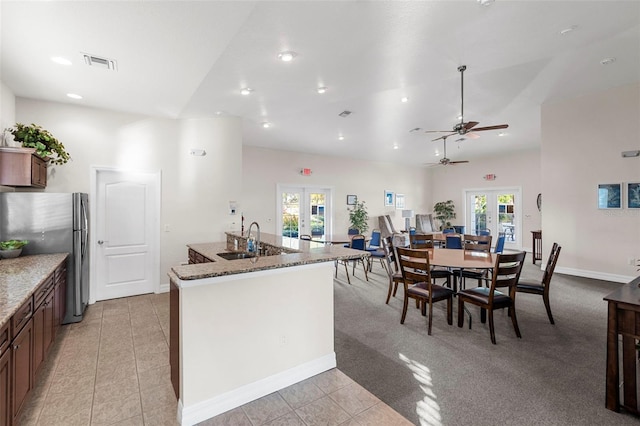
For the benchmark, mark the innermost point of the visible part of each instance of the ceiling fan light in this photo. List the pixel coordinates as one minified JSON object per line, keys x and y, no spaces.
{"x":321,"y":90}
{"x":287,"y":56}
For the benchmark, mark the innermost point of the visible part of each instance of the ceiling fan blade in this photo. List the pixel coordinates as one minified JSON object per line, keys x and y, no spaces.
{"x":470,"y":124}
{"x":443,"y":137}
{"x":458,"y":162}
{"x":437,"y":131}
{"x":500,"y":126}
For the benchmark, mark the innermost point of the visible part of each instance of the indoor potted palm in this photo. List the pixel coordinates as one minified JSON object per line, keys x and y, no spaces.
{"x":44,"y":143}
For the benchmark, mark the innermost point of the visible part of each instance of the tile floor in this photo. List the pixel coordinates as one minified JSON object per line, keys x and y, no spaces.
{"x":113,"y":369}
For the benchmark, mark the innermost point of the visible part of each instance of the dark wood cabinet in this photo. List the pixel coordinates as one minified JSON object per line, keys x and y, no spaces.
{"x":195,"y":257}
{"x":5,"y":376}
{"x":43,"y":330}
{"x":60,"y":297}
{"x":21,"y":167}
{"x":22,"y":368}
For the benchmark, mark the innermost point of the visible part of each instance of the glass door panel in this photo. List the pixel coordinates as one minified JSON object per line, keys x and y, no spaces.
{"x":495,"y":211}
{"x":304,"y":211}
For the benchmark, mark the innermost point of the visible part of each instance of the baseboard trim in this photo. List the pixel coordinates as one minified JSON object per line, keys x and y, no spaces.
{"x":164,"y":288}
{"x":196,"y":413}
{"x":595,"y":275}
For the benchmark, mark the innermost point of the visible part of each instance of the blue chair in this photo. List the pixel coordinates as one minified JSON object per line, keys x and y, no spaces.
{"x":352,"y":231}
{"x":358,"y":242}
{"x":449,"y":231}
{"x":412,"y":231}
{"x":374,"y":248}
{"x":374,"y":243}
{"x":499,"y":248}
{"x":453,"y":242}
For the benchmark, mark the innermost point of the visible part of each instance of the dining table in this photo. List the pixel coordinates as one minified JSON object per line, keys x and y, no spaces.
{"x":335,"y":238}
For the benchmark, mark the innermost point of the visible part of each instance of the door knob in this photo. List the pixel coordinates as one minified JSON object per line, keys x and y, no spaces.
{"x":101,"y":242}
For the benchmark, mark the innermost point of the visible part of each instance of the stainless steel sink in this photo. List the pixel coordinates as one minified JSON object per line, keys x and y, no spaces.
{"x":235,"y":255}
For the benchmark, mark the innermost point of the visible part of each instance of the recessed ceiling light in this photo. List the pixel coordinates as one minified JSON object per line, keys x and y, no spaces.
{"x":61,"y":61}
{"x":501,"y":134}
{"x":607,"y":61}
{"x":74,"y":96}
{"x":485,"y":2}
{"x":395,"y":146}
{"x":287,"y":56}
{"x":568,"y":30}
{"x":246,"y":91}
{"x":459,"y":117}
{"x":322,"y":89}
{"x":404,"y":99}
{"x":340,"y":138}
{"x":266,"y":124}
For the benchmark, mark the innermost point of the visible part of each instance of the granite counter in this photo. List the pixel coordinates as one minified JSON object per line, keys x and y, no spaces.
{"x":20,"y":277}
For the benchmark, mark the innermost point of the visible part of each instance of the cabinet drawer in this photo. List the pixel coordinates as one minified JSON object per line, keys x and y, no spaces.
{"x":5,"y":339}
{"x":42,"y":290}
{"x":21,"y":317}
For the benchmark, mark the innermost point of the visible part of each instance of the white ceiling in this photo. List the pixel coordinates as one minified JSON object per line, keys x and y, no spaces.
{"x":182,"y":59}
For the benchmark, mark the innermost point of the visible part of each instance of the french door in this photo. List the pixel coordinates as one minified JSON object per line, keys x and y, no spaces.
{"x":495,"y":210}
{"x":303,"y":210}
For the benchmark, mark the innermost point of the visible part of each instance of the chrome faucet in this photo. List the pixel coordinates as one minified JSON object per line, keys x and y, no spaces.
{"x":257,"y":243}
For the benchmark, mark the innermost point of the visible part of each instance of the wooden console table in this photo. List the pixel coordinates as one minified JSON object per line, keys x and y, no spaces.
{"x":623,"y":318}
{"x":536,"y":245}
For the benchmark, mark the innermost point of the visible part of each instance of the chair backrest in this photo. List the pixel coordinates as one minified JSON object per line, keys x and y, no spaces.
{"x":506,"y":272}
{"x":551,"y":264}
{"x":484,"y":232}
{"x":477,"y":242}
{"x":449,"y":231}
{"x":499,"y":248}
{"x":352,"y":231}
{"x":375,"y":238}
{"x":358,"y":242}
{"x":453,"y":242}
{"x":424,"y":223}
{"x":414,"y":265}
{"x":421,"y":241}
{"x":390,"y":256}
{"x":412,"y":231}
{"x":305,"y":237}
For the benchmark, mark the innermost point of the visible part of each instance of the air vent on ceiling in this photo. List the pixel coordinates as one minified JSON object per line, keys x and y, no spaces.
{"x":345,"y":114}
{"x":99,"y":62}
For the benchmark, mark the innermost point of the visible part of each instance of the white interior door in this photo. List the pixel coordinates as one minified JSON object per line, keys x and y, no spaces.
{"x":497,"y":210}
{"x":126,"y":245}
{"x":303,"y":210}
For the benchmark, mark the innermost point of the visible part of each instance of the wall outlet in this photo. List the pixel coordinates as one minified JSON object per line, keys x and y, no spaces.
{"x":631,"y":261}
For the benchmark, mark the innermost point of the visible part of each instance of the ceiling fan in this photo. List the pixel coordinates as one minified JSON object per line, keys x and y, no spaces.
{"x":463,"y":128}
{"x":444,"y":160}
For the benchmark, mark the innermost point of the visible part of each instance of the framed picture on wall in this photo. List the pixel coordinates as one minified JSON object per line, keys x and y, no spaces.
{"x":633,"y":195}
{"x":388,"y":198}
{"x":399,"y":201}
{"x":609,"y":195}
{"x":352,"y":200}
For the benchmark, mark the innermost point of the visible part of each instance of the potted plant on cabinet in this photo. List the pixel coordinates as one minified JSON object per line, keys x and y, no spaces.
{"x":44,"y":143}
{"x":445,"y":210}
{"x":358,"y":217}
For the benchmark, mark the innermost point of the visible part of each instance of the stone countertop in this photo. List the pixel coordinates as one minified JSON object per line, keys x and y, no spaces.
{"x":298,"y":252}
{"x":20,"y":277}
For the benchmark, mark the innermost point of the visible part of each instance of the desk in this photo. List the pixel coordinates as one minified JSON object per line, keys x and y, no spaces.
{"x":623,"y":318}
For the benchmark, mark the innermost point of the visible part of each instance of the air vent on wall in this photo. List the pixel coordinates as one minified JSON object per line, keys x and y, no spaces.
{"x":345,"y":114}
{"x":99,"y":62}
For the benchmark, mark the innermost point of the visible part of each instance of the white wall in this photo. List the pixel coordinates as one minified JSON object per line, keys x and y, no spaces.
{"x":7,"y":109}
{"x":195,"y":190}
{"x":264,"y":168}
{"x":582,"y":143}
{"x":520,"y":169}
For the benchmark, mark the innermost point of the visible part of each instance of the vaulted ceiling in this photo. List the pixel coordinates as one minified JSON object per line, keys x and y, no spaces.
{"x":184,"y":59}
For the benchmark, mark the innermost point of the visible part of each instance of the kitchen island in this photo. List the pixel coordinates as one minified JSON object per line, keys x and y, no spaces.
{"x":244,"y":328}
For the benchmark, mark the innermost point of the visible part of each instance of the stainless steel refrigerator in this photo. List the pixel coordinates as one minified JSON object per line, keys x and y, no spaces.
{"x":53,"y":223}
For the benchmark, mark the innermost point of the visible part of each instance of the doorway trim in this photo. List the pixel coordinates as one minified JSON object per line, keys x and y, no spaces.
{"x":156,"y":176}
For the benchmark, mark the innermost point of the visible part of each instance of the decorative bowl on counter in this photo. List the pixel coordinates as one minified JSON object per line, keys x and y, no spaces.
{"x":10,"y":254}
{"x":11,"y":248}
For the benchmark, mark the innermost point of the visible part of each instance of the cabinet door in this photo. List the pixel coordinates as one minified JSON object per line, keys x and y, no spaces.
{"x":5,"y":388}
{"x":38,"y":172}
{"x":49,"y":323}
{"x":60,"y":298}
{"x":37,"y":353}
{"x":22,"y":368}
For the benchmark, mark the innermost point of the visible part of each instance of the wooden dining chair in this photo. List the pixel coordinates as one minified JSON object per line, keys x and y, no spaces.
{"x":542,"y":288}
{"x":420,"y":241}
{"x":418,"y":284}
{"x":393,"y":268}
{"x":505,"y":274}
